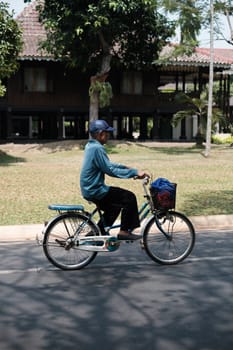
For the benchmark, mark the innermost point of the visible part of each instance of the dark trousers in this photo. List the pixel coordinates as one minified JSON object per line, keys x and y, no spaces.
{"x":119,"y":200}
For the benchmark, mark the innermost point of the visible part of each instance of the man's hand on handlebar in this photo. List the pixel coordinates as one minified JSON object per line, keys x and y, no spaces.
{"x":142,"y":175}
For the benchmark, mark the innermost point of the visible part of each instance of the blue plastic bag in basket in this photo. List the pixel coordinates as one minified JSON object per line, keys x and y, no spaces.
{"x":162,"y":184}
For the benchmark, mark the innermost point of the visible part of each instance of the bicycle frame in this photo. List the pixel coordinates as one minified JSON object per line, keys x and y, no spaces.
{"x":106,"y":243}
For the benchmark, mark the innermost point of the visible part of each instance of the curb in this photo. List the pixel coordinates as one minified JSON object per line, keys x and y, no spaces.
{"x":212,"y":222}
{"x":18,"y":233}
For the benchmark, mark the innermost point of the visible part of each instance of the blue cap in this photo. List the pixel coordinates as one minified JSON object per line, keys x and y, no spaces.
{"x":99,"y":125}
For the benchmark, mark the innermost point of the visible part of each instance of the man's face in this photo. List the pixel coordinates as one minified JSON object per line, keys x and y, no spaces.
{"x":103,"y":137}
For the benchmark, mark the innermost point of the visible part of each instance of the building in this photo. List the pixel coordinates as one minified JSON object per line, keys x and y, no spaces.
{"x":45,"y":100}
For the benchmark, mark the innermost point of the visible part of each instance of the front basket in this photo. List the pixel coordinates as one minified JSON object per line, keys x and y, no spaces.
{"x":165,"y":199}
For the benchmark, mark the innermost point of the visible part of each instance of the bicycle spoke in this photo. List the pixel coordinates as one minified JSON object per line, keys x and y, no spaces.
{"x":60,"y":240}
{"x":170,"y":240}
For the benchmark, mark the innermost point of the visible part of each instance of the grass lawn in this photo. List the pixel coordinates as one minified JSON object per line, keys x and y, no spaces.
{"x":34,"y":175}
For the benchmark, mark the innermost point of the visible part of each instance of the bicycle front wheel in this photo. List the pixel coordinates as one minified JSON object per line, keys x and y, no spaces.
{"x":59,"y":244}
{"x":170,"y":238}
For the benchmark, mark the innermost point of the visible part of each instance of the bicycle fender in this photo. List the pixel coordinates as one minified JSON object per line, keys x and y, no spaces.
{"x":147,"y":221}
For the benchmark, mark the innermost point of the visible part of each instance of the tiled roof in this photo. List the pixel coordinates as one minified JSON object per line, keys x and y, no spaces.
{"x":33,"y":33}
{"x":200,"y":57}
{"x":221,"y":56}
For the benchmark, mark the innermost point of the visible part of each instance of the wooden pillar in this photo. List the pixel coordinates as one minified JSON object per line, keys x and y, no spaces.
{"x":60,"y":125}
{"x":228,"y":97}
{"x":155,"y":128}
{"x":130,"y":127}
{"x":119,"y":127}
{"x":143,"y":127}
{"x":224,"y":96}
{"x":220,"y":98}
{"x":183,"y":82}
{"x":9,"y":123}
{"x":183,"y":129}
{"x":82,"y":132}
{"x":30,"y":127}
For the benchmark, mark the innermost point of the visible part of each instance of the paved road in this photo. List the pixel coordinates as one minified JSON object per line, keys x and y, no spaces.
{"x":121,"y":301}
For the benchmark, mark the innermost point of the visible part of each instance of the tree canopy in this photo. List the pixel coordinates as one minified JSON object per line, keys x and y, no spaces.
{"x":192,"y":16}
{"x":188,"y":15}
{"x":10,"y":44}
{"x":87,"y":32}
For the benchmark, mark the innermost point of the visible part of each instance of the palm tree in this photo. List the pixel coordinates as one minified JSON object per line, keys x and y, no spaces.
{"x":188,"y":14}
{"x":198,"y":107}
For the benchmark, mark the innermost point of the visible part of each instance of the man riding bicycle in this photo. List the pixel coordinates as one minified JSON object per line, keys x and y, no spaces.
{"x":112,"y":200}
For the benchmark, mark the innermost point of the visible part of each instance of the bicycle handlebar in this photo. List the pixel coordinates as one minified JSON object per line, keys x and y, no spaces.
{"x":145,"y":181}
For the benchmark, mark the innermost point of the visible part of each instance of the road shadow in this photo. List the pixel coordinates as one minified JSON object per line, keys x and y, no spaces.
{"x":126,"y":307}
{"x":171,"y":149}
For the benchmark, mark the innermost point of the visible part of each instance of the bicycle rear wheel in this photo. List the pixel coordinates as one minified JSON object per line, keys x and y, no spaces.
{"x":59,"y":245}
{"x":170,"y":238}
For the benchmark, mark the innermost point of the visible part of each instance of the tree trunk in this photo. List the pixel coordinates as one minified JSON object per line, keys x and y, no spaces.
{"x":94,"y":107}
{"x":101,"y":77}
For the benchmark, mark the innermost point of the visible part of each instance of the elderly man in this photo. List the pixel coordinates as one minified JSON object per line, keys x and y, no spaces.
{"x":111,"y":200}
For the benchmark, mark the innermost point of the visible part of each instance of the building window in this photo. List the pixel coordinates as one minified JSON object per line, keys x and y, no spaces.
{"x":180,"y":82}
{"x":36,"y":80}
{"x":169,"y":84}
{"x":132,"y":83}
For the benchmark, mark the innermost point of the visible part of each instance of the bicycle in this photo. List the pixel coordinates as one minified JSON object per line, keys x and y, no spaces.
{"x":72,"y":239}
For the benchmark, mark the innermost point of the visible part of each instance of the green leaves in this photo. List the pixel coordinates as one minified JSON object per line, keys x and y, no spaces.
{"x":104,"y":91}
{"x":79,"y":31}
{"x":189,"y":18}
{"x":2,"y":89}
{"x":82,"y":30}
{"x":10,"y":44}
{"x":196,"y":106}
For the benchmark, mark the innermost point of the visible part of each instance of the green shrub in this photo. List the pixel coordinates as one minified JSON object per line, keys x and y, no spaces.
{"x":219,"y":140}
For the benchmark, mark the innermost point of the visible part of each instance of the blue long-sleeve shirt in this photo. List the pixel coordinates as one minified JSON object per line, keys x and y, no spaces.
{"x":95,"y":165}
